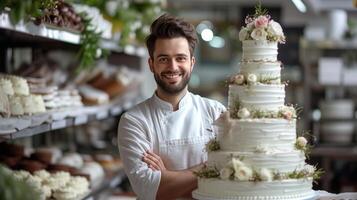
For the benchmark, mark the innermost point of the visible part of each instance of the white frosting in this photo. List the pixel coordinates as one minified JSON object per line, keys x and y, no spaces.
{"x":260,"y":96}
{"x":38,"y":104}
{"x":277,"y":161}
{"x":259,"y":50}
{"x":293,"y":189}
{"x":262,"y":70}
{"x":6,"y":86}
{"x":72,"y":159}
{"x":247,"y":135}
{"x":16,"y":107}
{"x":4,"y":104}
{"x":19,"y":85}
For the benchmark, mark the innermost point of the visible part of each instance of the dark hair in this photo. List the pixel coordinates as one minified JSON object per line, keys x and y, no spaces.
{"x":166,"y":27}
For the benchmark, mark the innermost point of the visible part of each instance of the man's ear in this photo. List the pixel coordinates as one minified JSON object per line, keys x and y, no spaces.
{"x":151,"y":64}
{"x":193,"y":61}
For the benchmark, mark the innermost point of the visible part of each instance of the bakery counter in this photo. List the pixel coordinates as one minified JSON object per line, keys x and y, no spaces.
{"x":25,"y":126}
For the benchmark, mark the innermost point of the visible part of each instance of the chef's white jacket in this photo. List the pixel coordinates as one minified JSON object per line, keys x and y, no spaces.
{"x":178,"y":137}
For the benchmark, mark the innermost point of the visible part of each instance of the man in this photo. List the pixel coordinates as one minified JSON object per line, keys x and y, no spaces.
{"x":161,"y":140}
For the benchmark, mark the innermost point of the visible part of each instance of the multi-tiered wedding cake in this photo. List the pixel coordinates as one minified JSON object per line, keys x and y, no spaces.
{"x":257,"y":154}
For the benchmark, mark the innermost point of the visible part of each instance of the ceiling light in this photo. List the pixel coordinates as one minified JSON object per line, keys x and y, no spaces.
{"x":207,"y":35}
{"x":299,"y":4}
{"x":217,"y":42}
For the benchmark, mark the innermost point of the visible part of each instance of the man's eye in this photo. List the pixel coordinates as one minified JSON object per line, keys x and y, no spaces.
{"x":162,"y":59}
{"x":181,"y":59}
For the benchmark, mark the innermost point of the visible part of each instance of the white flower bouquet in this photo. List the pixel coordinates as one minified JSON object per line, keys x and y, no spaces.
{"x":262,"y":27}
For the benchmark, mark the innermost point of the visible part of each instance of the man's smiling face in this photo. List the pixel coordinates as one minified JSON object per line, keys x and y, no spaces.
{"x":172,"y":64}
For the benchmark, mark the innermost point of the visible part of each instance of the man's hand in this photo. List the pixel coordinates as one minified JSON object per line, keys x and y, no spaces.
{"x":153,"y":161}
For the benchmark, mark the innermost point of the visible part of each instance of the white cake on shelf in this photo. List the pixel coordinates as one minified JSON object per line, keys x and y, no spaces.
{"x":19,"y":85}
{"x":16,"y":107}
{"x":257,"y":154}
{"x":6,"y":86}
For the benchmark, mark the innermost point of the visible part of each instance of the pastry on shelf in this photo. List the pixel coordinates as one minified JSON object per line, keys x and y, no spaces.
{"x":4,"y":105}
{"x":95,"y":171}
{"x":6,"y":86}
{"x":92,"y":96}
{"x":60,"y":168}
{"x":33,"y":104}
{"x":72,"y":159}
{"x":16,"y":107}
{"x":54,"y":151}
{"x":19,"y":85}
{"x":13,"y":150}
{"x":30,"y":165}
{"x":43,"y":157}
{"x":9,"y":161}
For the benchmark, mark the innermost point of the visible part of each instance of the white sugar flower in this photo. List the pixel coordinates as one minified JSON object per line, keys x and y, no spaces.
{"x":309,"y":169}
{"x":265,"y":174}
{"x":243,"y":33}
{"x":259,"y":34}
{"x":252,"y":78}
{"x":239,"y":79}
{"x":243,"y":113}
{"x":262,"y":149}
{"x":225,"y":173}
{"x":275,"y":28}
{"x":236,"y":163}
{"x":301,"y":142}
{"x":243,"y":173}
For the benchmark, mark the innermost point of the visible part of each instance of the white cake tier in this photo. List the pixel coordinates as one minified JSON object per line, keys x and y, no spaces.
{"x":252,"y":134}
{"x":259,"y":50}
{"x":260,"y":96}
{"x":278,"y":161}
{"x":263,"y":70}
{"x":292,"y":189}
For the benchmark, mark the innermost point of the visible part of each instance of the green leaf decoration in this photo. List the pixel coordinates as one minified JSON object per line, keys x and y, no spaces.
{"x":213,"y":145}
{"x":259,"y":11}
{"x":207,"y":172}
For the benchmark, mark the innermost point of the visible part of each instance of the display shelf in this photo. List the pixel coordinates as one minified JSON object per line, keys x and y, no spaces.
{"x":108,"y":183}
{"x":50,"y":36}
{"x":86,"y":115}
{"x":329,"y":44}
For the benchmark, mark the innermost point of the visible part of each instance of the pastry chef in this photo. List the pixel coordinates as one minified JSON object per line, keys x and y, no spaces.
{"x":162,"y":140}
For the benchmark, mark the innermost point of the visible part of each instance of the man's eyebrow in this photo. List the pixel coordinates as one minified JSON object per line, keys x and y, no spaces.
{"x":162,"y":55}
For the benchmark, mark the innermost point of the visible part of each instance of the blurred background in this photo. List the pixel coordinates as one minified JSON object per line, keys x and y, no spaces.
{"x":88,"y":61}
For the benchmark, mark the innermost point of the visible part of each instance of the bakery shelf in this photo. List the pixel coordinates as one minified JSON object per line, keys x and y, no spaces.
{"x":47,"y":36}
{"x":329,"y":44}
{"x":71,"y":117}
{"x":108,"y":183}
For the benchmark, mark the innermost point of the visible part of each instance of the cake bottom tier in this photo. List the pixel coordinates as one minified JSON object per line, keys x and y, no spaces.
{"x":292,"y":189}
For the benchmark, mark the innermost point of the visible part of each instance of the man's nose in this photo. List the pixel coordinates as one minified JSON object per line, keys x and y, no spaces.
{"x":173,"y":63}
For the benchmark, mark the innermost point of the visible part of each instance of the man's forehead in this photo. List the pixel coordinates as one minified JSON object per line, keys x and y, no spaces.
{"x":172,"y":46}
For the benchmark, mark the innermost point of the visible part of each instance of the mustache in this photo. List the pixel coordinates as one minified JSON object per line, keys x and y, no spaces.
{"x":177,"y":72}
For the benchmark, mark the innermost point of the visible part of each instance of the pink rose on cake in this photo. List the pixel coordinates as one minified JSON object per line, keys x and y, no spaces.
{"x":261,"y":22}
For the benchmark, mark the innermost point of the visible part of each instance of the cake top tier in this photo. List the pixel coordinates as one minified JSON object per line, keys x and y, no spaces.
{"x":260,"y":26}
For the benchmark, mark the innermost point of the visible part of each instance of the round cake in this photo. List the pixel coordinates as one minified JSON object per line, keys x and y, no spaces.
{"x":257,"y":153}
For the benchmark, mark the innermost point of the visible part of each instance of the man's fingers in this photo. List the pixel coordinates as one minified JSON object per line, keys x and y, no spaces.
{"x":158,"y":158}
{"x":152,"y":164}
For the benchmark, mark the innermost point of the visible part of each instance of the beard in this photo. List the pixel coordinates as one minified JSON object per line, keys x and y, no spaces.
{"x":171,"y":88}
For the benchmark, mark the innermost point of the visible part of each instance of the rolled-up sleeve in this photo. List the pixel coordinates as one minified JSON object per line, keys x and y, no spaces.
{"x":133,"y":142}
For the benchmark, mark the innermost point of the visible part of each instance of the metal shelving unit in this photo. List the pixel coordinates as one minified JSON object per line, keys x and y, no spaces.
{"x":310,"y":52}
{"x":49,"y":37}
